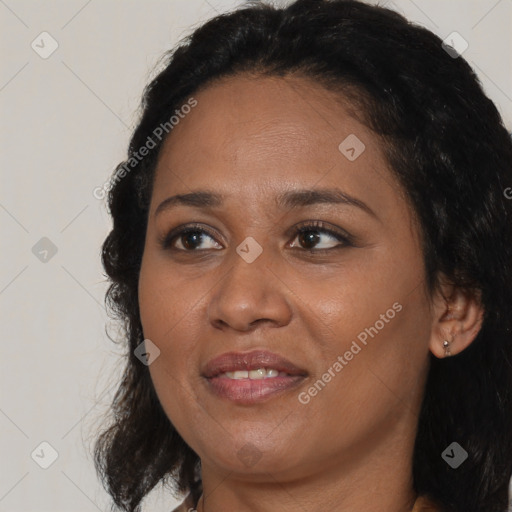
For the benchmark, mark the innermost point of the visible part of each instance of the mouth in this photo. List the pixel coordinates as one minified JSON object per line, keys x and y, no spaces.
{"x":258,"y":374}
{"x":251,"y":377}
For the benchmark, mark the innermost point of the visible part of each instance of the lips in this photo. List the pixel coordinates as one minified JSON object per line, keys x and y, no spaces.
{"x":243,"y":390}
{"x":254,"y":360}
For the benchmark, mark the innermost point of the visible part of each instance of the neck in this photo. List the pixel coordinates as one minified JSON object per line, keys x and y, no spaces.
{"x":379,"y":482}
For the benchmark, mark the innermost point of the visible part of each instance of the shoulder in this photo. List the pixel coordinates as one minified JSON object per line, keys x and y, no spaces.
{"x":424,"y":504}
{"x":188,"y":505}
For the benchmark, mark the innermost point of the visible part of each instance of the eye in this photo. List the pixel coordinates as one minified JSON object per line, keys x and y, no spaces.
{"x":308,"y":234}
{"x":311,"y":233}
{"x":190,"y":237}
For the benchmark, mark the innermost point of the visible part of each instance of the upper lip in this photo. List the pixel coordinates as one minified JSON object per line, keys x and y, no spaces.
{"x":235,"y":361}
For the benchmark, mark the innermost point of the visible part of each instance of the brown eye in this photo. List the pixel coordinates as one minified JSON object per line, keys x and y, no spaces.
{"x":310,"y":235}
{"x":190,"y":238}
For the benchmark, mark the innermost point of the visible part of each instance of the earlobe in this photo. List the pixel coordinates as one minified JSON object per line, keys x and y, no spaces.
{"x":458,"y":318}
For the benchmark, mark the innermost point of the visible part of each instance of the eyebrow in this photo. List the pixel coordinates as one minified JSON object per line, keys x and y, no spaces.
{"x":292,"y":199}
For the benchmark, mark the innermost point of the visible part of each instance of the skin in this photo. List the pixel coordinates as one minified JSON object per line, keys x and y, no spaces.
{"x":253,"y":139}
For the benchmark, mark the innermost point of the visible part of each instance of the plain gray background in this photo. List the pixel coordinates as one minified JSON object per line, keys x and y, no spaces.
{"x":66,"y":121}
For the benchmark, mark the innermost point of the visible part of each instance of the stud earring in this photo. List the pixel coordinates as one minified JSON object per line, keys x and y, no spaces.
{"x":446,"y":345}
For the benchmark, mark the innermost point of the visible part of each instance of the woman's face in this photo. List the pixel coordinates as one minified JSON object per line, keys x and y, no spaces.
{"x":344,"y":302}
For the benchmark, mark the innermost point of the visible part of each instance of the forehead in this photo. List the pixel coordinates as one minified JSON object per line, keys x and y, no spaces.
{"x":259,"y":136}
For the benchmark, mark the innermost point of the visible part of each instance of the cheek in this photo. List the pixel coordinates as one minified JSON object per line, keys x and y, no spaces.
{"x":167,"y":301}
{"x":359,"y":300}
{"x":373,"y":371}
{"x":169,"y":309}
{"x":374,"y":317}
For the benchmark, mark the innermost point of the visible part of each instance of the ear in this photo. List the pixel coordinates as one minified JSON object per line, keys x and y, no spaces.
{"x":457,"y":318}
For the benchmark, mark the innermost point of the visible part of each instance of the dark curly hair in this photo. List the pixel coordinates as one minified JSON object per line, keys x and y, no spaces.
{"x":446,"y":143}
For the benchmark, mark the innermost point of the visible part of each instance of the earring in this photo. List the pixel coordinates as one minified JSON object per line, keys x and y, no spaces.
{"x":446,"y":345}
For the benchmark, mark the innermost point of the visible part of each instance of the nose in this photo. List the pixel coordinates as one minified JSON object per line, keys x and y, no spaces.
{"x":250,"y":294}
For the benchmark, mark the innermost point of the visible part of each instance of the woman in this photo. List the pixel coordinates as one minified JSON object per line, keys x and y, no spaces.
{"x":312,"y":254}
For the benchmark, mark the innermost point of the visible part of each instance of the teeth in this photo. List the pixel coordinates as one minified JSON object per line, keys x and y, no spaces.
{"x":260,"y":373}
{"x":241,"y":374}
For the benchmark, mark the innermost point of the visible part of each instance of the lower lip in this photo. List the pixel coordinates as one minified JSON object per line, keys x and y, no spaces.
{"x":251,"y":391}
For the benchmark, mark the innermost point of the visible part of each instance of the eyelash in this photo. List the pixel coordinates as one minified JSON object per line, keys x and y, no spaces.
{"x":167,"y":240}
